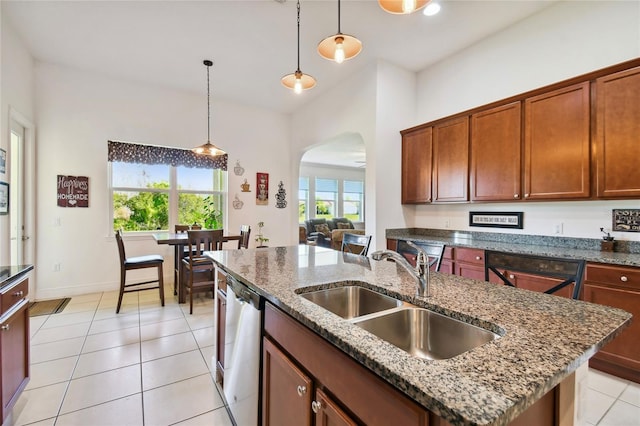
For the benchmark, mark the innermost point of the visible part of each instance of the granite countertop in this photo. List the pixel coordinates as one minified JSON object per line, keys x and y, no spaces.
{"x":8,"y":273}
{"x":544,"y":337}
{"x":573,"y":248}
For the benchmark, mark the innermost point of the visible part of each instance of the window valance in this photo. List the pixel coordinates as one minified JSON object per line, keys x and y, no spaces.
{"x":151,"y":154}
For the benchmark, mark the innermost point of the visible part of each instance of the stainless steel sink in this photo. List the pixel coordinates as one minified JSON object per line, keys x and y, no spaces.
{"x":426,"y":334}
{"x":351,"y":301}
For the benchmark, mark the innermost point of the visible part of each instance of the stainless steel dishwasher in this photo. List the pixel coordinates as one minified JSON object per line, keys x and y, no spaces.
{"x":242,"y":352}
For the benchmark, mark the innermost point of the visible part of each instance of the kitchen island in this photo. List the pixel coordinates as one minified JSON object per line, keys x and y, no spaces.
{"x":544,"y":338}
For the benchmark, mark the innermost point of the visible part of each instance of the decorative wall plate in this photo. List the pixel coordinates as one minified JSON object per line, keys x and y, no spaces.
{"x":245,"y":186}
{"x":237,"y":203}
{"x":238,"y":169}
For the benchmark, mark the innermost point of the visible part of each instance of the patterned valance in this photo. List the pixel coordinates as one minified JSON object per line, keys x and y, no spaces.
{"x":150,"y":154}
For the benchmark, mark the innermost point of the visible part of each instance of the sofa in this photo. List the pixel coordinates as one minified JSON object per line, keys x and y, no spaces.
{"x":329,"y":232}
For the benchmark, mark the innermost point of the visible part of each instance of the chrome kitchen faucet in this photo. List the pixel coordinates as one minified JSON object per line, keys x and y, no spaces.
{"x":420,"y":272}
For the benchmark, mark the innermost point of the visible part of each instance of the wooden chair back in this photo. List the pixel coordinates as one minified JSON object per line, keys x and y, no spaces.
{"x":245,"y":231}
{"x":204,"y":240}
{"x":356,"y":244}
{"x":564,"y":272}
{"x":179,"y":229}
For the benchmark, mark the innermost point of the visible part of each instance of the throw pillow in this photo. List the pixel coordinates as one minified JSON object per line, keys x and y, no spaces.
{"x":324,"y":228}
{"x":344,"y":225}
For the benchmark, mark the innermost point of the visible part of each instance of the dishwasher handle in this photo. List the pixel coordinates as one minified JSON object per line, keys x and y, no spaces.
{"x":243,"y":293}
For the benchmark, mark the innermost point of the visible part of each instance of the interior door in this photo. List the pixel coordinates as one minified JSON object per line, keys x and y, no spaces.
{"x":16,"y":193}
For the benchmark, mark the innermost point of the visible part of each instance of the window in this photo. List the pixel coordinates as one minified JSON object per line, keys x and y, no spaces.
{"x":143,"y":194}
{"x":352,"y":196}
{"x":333,"y":198}
{"x":303,"y":198}
{"x":326,"y":198}
{"x":148,"y":195}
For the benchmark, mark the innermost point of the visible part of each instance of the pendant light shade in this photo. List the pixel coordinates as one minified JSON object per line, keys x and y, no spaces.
{"x":402,"y":7}
{"x":339,"y":47}
{"x":298,"y":81}
{"x":208,"y":148}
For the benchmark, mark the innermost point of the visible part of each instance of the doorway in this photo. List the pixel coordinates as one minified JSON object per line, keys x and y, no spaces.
{"x":21,"y":168}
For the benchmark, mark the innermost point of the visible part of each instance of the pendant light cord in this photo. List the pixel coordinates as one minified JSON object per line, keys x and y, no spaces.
{"x":339,"y":17}
{"x":208,"y":64}
{"x":298,"y":35}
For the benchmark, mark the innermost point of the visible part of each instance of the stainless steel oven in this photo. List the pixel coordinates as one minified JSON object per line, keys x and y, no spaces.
{"x":242,"y":352}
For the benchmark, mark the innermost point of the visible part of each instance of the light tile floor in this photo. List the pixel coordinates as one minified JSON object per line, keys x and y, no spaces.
{"x":147,"y":365}
{"x":151,"y":365}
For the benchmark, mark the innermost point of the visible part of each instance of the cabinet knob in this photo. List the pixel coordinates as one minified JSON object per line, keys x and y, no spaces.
{"x":624,"y":279}
{"x":511,"y":276}
{"x":478,"y":258}
{"x":316,"y":406}
{"x":302,"y":390}
{"x":516,"y":195}
{"x":5,"y":327}
{"x":526,"y":195}
{"x":18,"y":293}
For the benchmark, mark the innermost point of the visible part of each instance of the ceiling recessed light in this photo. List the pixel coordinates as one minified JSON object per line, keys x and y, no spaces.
{"x":431,"y":9}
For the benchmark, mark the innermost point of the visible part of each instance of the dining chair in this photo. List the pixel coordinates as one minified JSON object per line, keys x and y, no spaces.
{"x":198,"y":272}
{"x":180,"y":253}
{"x":245,"y":231}
{"x":562,"y":272}
{"x":356,"y":244}
{"x":138,"y":262}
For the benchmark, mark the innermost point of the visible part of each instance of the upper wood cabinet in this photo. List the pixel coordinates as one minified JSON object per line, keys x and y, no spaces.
{"x":416,"y":166}
{"x":495,"y":153}
{"x":556,"y":144}
{"x":617,"y":136}
{"x":451,"y":160}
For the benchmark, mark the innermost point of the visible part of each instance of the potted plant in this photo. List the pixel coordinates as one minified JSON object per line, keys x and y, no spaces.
{"x":212,"y":216}
{"x":261,"y":239}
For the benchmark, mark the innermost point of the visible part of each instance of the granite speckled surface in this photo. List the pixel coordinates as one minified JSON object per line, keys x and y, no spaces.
{"x":627,"y":254}
{"x":544,"y":338}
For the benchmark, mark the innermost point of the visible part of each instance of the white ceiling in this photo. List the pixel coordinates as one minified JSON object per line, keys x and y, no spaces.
{"x":252,"y":43}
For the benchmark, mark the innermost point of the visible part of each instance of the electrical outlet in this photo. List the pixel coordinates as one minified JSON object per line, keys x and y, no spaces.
{"x":447,"y":224}
{"x":56,"y":267}
{"x":557,"y":228}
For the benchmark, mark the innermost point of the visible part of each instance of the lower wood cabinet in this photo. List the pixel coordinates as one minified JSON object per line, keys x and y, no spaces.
{"x":303,"y":373}
{"x":468,"y":263}
{"x":619,"y":287}
{"x":14,"y":342}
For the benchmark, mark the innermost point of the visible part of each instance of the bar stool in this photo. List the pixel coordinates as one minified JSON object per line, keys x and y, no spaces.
{"x":180,"y":252}
{"x":138,"y":262}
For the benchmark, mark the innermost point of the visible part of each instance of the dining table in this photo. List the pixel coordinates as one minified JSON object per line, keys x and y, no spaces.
{"x":179,"y":241}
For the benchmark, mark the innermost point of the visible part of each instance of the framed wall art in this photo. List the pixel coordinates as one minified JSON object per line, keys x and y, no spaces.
{"x":73,"y":191}
{"x":3,"y":161}
{"x":496,"y":219}
{"x":4,"y":198}
{"x":262,"y":189}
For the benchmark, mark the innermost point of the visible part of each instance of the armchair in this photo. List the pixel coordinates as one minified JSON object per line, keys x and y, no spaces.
{"x":317,"y":237}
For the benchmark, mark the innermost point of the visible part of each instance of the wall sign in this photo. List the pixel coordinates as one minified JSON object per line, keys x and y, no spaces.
{"x":496,"y":219}
{"x":73,"y":191}
{"x":626,"y":220}
{"x":262,"y":189}
{"x":4,"y":198}
{"x":3,"y":161}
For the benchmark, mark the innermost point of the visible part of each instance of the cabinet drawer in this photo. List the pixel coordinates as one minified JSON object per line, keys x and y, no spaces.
{"x":614,"y":275}
{"x":222,"y":281}
{"x":469,"y":255}
{"x":12,"y":295}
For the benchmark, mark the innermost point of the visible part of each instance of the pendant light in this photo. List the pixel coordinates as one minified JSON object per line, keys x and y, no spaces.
{"x":402,"y":7}
{"x":298,"y":81}
{"x":208,"y":148}
{"x":340,"y":46}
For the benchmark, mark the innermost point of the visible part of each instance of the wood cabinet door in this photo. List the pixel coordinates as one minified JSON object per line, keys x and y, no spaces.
{"x":416,"y":166}
{"x":328,"y":413}
{"x":286,"y":390}
{"x":468,"y":263}
{"x":556,"y":144}
{"x":451,"y":161}
{"x":495,"y":154}
{"x":625,"y":349}
{"x":14,"y":357}
{"x":617,"y":130}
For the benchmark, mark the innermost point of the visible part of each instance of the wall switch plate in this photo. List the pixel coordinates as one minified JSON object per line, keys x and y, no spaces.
{"x":557,"y":229}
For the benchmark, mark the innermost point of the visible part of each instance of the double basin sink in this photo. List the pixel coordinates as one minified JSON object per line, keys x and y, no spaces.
{"x":417,"y":331}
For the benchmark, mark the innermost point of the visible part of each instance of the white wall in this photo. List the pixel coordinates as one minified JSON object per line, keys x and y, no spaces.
{"x":562,"y":41}
{"x":78,"y":112}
